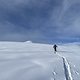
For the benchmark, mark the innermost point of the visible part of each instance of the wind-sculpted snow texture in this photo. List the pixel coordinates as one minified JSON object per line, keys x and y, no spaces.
{"x":33,"y":61}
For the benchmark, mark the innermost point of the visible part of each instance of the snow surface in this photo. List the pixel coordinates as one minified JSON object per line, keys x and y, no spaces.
{"x":33,"y":61}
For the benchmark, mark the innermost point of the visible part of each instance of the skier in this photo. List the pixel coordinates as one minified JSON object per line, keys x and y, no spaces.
{"x":55,"y":46}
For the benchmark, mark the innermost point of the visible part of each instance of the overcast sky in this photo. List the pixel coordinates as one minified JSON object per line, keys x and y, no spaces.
{"x":40,"y":20}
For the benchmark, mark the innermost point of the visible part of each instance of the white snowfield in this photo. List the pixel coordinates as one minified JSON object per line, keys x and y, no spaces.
{"x":33,"y":61}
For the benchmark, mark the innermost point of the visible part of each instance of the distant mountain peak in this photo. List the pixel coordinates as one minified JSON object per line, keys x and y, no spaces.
{"x":28,"y":41}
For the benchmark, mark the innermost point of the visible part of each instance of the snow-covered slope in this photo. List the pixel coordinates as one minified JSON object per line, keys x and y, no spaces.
{"x":32,"y":61}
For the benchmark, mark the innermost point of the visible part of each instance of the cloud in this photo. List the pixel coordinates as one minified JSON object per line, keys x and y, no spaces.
{"x":39,"y":20}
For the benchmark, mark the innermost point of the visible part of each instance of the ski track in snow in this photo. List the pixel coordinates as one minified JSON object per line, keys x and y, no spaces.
{"x":67,"y":70}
